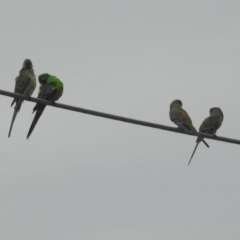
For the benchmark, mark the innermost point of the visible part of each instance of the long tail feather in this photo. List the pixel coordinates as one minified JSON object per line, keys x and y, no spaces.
{"x":40,"y":108}
{"x":14,"y":100}
{"x":201,"y":138}
{"x":16,"y":110}
{"x":13,"y":119}
{"x":193,"y":152}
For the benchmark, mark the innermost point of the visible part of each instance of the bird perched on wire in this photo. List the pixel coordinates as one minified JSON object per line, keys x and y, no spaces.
{"x":181,"y":118}
{"x":51,"y":89}
{"x":25,"y":84}
{"x":210,"y":125}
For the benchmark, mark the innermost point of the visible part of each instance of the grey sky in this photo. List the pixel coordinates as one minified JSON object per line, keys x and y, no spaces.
{"x":84,"y":177}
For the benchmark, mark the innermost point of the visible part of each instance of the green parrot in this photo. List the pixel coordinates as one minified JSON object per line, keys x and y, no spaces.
{"x":210,"y":125}
{"x":25,"y":84}
{"x":51,"y":89}
{"x":181,"y":118}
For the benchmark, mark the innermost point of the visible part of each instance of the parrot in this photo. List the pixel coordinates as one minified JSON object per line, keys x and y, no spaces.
{"x":181,"y":118}
{"x":25,"y":84}
{"x":51,"y":89}
{"x":210,"y":125}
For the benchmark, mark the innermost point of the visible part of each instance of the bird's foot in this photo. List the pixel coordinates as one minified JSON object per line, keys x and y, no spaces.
{"x":214,"y":135}
{"x":181,"y":129}
{"x":53,"y":103}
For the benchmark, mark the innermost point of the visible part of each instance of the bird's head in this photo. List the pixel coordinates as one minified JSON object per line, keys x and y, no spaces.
{"x":43,"y":78}
{"x":176,"y":103}
{"x":216,"y":111}
{"x":27,"y":64}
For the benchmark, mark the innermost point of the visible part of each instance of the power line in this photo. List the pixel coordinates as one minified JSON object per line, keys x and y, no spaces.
{"x":115,"y":117}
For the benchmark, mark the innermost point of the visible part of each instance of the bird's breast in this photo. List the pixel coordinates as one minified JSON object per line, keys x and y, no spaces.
{"x":58,"y":94}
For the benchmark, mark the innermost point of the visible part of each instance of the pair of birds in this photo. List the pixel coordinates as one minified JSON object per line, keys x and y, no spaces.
{"x":210,"y":125}
{"x":51,"y":89}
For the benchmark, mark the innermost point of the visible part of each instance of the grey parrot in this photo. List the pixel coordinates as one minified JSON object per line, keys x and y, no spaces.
{"x":210,"y":125}
{"x":25,"y":84}
{"x":181,"y":118}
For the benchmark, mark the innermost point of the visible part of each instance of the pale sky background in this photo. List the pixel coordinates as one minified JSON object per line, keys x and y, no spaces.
{"x":90,"y":178}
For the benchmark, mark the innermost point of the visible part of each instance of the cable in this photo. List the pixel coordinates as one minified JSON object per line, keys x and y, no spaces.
{"x":115,"y":117}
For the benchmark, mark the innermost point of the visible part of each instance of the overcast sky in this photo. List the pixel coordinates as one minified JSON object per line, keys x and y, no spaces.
{"x":85,"y":177}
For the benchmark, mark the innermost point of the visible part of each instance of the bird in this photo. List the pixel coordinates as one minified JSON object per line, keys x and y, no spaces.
{"x":25,"y":84}
{"x":51,"y":89}
{"x":181,"y":118}
{"x":210,"y":125}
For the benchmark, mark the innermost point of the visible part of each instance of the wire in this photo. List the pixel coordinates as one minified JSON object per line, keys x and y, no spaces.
{"x":115,"y":117}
